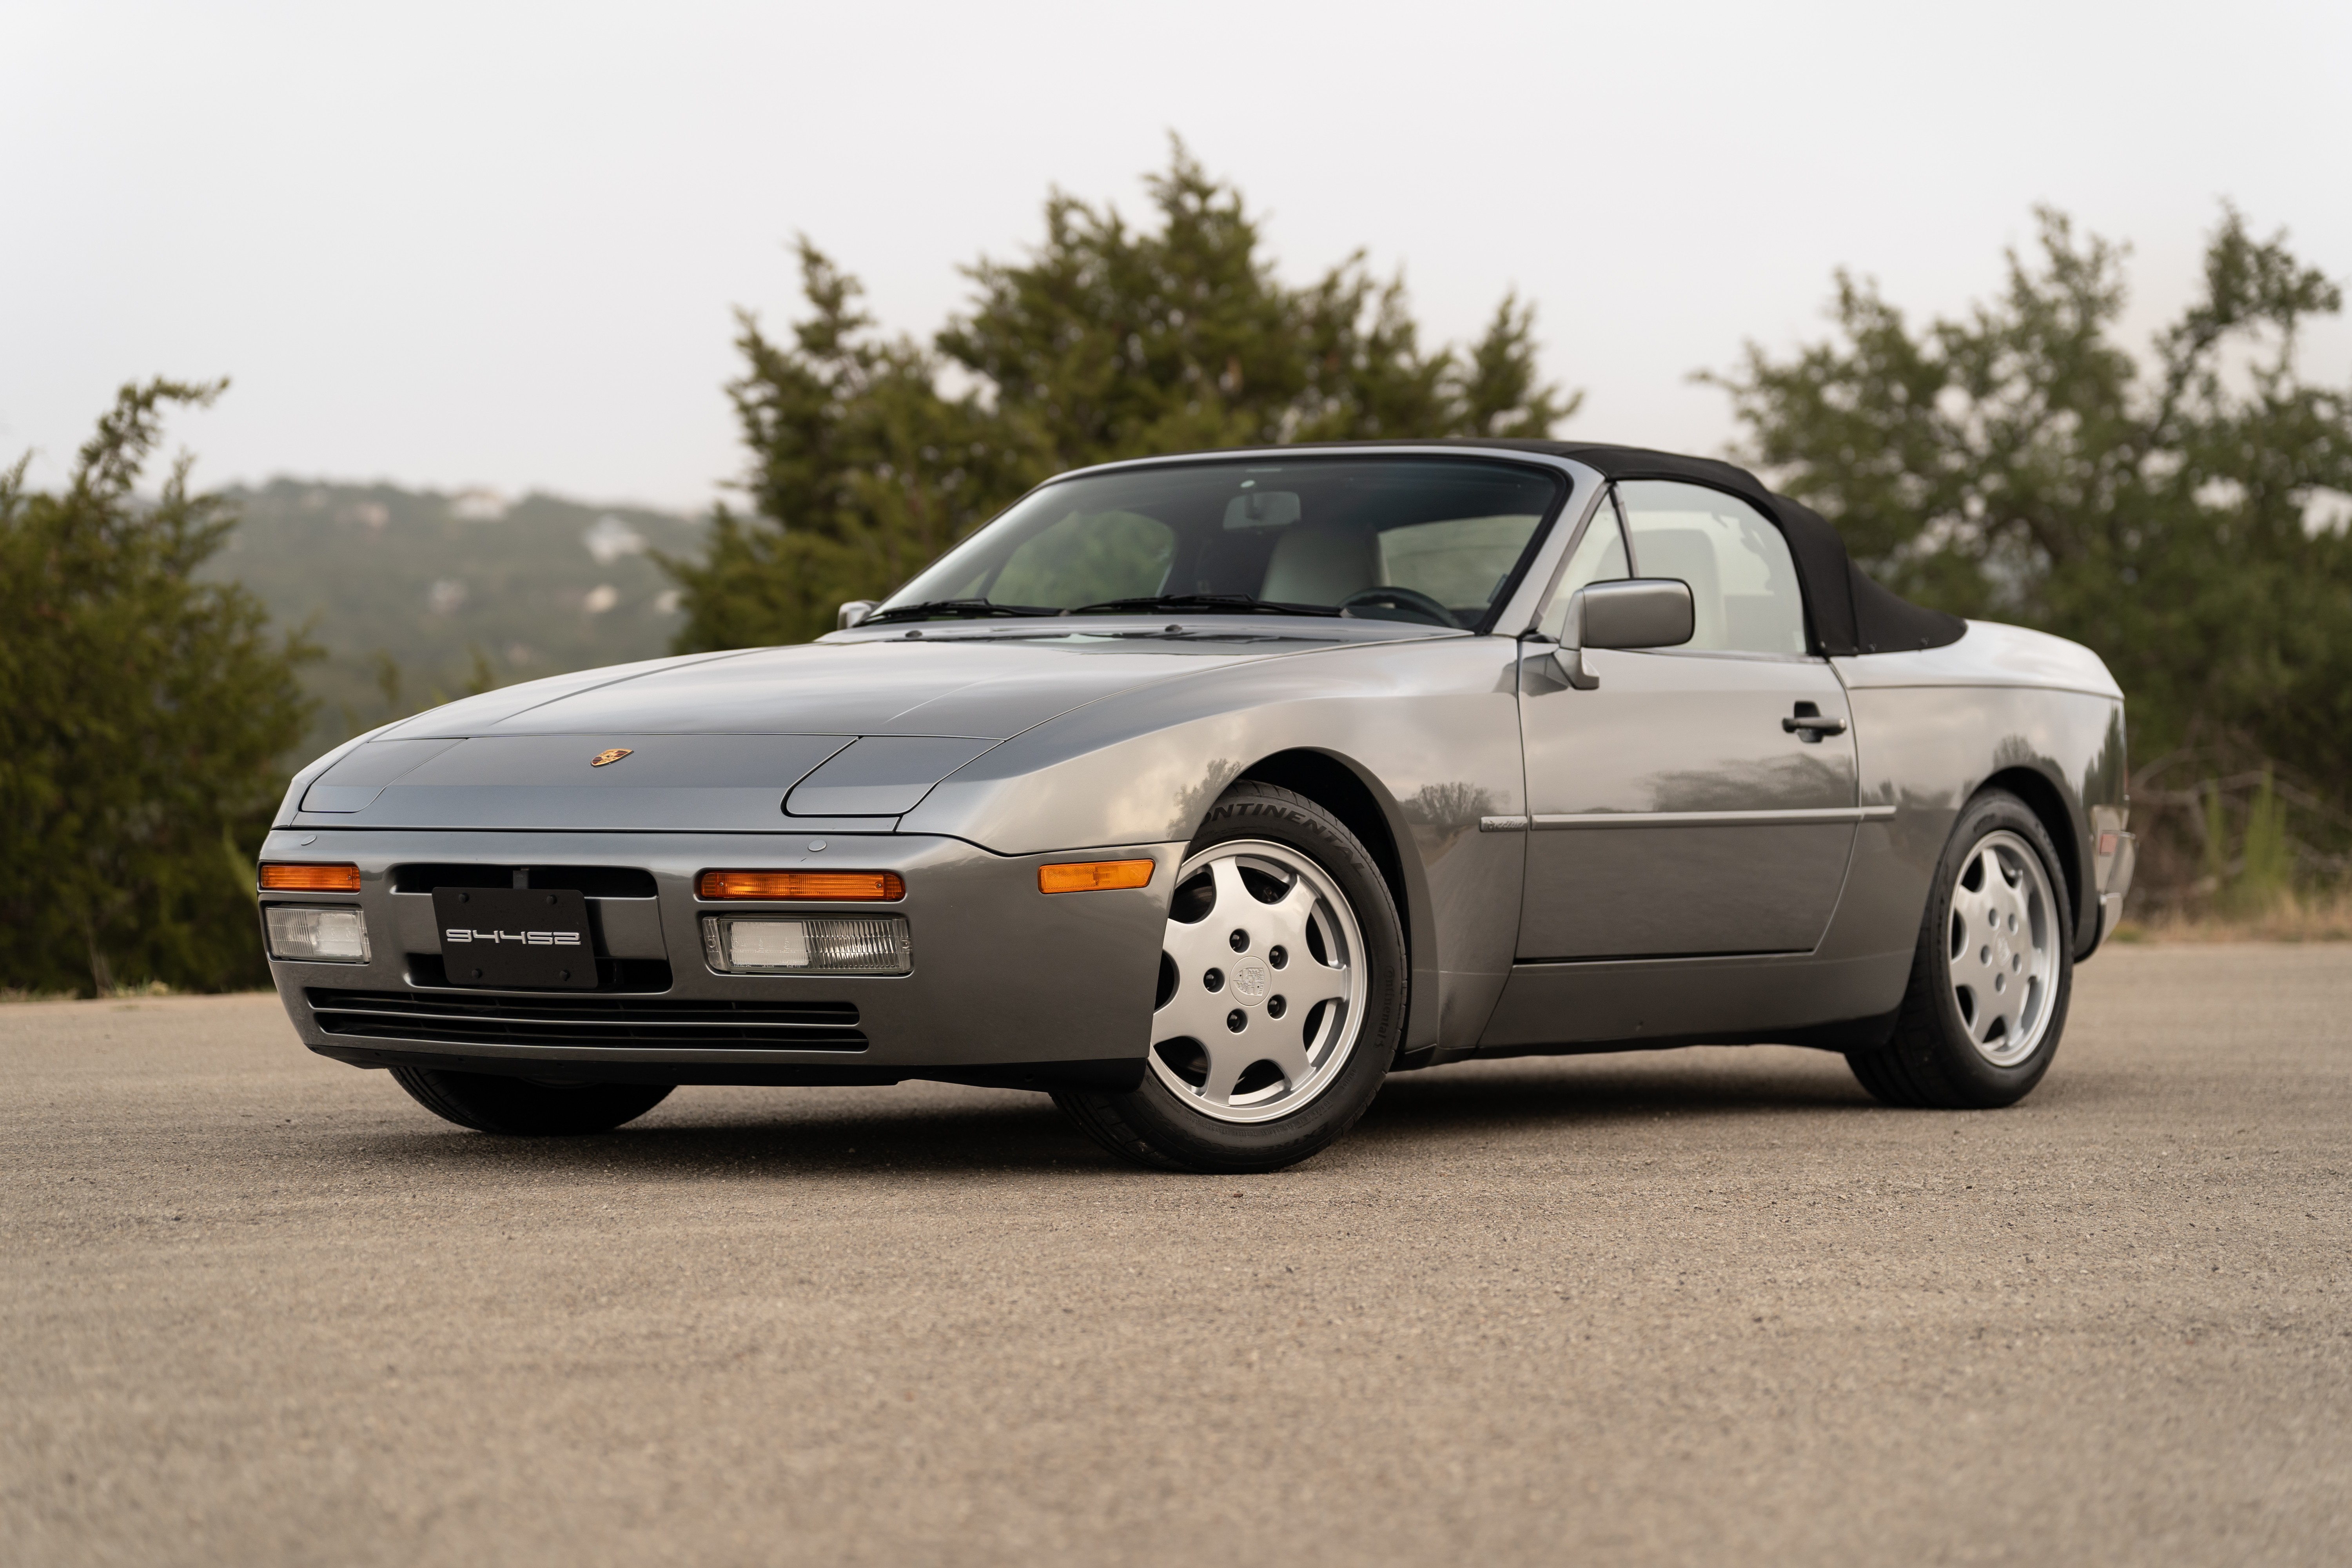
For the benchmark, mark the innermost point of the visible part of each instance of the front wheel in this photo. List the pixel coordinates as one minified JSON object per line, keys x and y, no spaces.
{"x":490,"y":1102}
{"x":1281,"y":996}
{"x":1993,"y":971}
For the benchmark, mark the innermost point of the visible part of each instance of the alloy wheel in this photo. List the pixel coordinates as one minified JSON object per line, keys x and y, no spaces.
{"x":1261,"y":983}
{"x":2000,"y":948}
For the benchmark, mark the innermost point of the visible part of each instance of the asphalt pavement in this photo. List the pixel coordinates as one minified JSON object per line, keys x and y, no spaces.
{"x":1698,"y":1307}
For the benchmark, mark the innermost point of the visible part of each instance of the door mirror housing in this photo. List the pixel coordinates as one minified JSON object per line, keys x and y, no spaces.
{"x":1634,"y":612}
{"x":855,"y":612}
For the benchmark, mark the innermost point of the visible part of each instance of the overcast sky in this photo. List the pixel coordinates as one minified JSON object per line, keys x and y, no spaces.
{"x":498,"y":245}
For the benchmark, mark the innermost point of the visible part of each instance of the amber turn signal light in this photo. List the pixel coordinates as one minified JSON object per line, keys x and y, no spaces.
{"x":310,"y":879}
{"x":1093,"y":876}
{"x":831,"y":886}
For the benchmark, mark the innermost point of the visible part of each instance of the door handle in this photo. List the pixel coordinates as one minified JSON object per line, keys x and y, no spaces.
{"x":1808,"y":725}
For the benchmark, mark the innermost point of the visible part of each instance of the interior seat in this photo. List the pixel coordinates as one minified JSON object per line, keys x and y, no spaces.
{"x":1321,"y":564}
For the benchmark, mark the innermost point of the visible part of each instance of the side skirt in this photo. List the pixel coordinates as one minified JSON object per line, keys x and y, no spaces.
{"x":1611,"y":1004}
{"x":1846,"y":1034}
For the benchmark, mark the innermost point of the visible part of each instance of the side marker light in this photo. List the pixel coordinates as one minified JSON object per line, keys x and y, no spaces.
{"x":1093,"y":876}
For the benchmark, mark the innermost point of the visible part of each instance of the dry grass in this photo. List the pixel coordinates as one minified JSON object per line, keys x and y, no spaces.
{"x":2311,"y":917}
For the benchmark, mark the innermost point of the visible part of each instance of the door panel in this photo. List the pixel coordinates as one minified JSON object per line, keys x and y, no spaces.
{"x":1673,"y":815}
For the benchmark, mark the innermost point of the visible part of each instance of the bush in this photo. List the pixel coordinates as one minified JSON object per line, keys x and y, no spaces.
{"x":142,"y":717}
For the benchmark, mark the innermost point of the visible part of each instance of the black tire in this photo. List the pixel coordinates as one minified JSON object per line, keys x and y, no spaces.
{"x":492,"y":1102}
{"x":1930,"y":1063}
{"x":1152,"y":1127}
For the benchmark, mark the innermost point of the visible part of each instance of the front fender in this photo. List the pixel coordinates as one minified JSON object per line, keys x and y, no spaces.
{"x":1431,"y":728}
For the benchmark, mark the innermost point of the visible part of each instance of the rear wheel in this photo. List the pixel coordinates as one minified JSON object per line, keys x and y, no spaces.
{"x":1281,"y":996}
{"x":1993,"y":971}
{"x":490,"y":1102}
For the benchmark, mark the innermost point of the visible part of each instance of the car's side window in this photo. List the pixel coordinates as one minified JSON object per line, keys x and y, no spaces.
{"x":1600,"y":558}
{"x":1743,"y":583}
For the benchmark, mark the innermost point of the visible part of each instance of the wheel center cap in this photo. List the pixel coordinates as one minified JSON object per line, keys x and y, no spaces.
{"x":1248,"y":982}
{"x":2002,"y":951}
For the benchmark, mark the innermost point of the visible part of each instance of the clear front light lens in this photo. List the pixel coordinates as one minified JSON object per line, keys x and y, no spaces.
{"x":317,"y":936}
{"x":766,"y":944}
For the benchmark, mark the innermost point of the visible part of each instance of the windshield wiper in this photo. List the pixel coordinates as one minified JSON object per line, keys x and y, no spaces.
{"x":1216,"y":604}
{"x":971,"y":607}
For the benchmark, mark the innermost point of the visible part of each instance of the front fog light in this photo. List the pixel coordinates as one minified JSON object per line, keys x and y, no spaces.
{"x":317,"y":936}
{"x":761,"y":944}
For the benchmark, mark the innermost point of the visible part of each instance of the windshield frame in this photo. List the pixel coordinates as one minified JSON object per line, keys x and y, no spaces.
{"x":1561,"y":475}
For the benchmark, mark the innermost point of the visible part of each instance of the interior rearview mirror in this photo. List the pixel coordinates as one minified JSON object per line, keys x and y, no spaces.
{"x":1263,"y":509}
{"x":1634,"y":612}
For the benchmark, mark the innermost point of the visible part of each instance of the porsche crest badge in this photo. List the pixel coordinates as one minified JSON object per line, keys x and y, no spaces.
{"x":604,"y":758}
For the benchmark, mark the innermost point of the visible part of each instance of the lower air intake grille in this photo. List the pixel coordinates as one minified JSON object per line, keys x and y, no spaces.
{"x":638,"y":1022}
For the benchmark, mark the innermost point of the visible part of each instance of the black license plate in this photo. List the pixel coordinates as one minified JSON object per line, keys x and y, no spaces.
{"x":528,"y":938}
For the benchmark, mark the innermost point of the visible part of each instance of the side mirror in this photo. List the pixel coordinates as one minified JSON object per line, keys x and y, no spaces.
{"x":1634,"y":612}
{"x":855,"y":611}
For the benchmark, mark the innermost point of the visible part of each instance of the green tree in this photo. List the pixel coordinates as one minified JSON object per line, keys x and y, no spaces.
{"x":2020,"y":462}
{"x":142,"y":715}
{"x":1113,"y":343}
{"x":862,"y":472}
{"x":1108,"y":341}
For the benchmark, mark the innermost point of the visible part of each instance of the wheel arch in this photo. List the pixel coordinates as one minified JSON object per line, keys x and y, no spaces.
{"x":2048,"y":802}
{"x":1340,"y":786}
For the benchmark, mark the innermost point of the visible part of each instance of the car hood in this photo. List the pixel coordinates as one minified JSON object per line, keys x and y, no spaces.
{"x":852,"y":731}
{"x":991,"y":688}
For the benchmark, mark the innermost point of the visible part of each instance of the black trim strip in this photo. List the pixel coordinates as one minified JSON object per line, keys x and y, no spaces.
{"x":1660,"y":957}
{"x":655,"y":1023}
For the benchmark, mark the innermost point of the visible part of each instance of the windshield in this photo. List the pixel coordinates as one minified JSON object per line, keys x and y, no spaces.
{"x":1413,"y":539}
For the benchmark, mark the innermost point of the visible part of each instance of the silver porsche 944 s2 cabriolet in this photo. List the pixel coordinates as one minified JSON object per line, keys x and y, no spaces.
{"x":1204,"y":792}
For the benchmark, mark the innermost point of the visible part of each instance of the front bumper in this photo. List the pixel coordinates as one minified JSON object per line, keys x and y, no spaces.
{"x":1008,"y":984}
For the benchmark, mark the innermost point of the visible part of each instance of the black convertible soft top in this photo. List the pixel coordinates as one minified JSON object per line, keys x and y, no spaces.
{"x":1851,"y":613}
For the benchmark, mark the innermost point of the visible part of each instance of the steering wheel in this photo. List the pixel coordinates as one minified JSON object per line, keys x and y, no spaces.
{"x":1408,"y":604}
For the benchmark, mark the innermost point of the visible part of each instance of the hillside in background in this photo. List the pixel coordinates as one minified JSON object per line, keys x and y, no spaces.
{"x":419,"y":596}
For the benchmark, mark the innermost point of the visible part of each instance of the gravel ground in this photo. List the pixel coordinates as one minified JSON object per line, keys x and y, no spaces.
{"x":1708,"y":1306}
